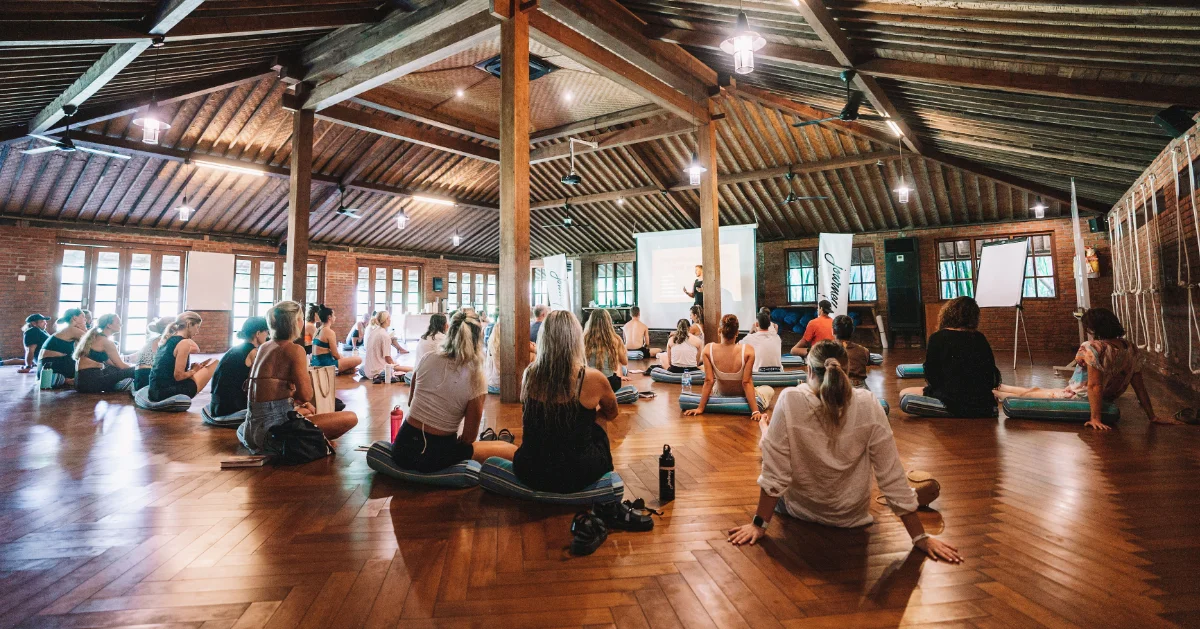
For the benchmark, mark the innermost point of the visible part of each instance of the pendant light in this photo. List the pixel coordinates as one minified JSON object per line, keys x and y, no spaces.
{"x":902,"y":188}
{"x":185,"y":210}
{"x":694,"y":170}
{"x":1039,"y":209}
{"x":742,"y":44}
{"x":150,"y":121}
{"x":456,"y":240}
{"x":401,"y":219}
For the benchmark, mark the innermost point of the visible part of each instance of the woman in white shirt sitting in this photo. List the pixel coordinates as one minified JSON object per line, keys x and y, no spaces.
{"x":377,"y":354}
{"x":768,"y":349}
{"x":818,"y":453}
{"x":448,"y":389}
{"x":432,"y":338}
{"x":683,"y":350}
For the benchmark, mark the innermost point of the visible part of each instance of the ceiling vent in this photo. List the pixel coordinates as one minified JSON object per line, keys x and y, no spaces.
{"x":538,"y":67}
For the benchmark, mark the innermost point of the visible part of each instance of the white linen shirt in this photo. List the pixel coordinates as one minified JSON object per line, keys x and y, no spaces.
{"x":768,"y":349}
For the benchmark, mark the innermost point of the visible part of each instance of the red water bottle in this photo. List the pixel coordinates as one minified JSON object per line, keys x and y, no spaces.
{"x":397,"y":420}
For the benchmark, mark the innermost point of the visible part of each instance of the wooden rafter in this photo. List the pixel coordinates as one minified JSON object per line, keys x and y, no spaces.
{"x":658,"y":130}
{"x":389,"y":102}
{"x":408,"y":131}
{"x":591,"y":124}
{"x":650,"y":166}
{"x":190,"y":29}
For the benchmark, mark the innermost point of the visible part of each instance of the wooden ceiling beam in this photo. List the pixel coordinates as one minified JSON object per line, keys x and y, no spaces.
{"x":807,"y":112}
{"x":389,"y":102}
{"x":407,"y":131}
{"x":413,"y":55}
{"x":170,"y":13}
{"x":550,"y":32}
{"x":596,"y":198}
{"x":191,"y":29}
{"x":667,"y":128}
{"x":649,"y":165}
{"x":591,"y":124}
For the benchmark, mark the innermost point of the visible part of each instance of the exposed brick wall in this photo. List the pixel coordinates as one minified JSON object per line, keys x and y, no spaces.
{"x":1176,"y":222}
{"x":33,"y":254}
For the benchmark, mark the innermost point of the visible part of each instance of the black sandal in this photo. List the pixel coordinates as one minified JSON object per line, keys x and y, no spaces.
{"x":589,"y":531}
{"x":640,"y":505}
{"x":487,"y":435}
{"x":619,"y":515}
{"x":506,"y":436}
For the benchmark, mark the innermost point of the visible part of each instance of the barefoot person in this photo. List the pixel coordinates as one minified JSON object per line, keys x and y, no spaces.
{"x":824,"y":444}
{"x":98,"y":364}
{"x":172,"y":373}
{"x":637,"y":334}
{"x":58,"y":350}
{"x":960,"y":368}
{"x":229,"y":380}
{"x":279,"y":383}
{"x":817,"y":330}
{"x":325,"y":347}
{"x":729,"y":368}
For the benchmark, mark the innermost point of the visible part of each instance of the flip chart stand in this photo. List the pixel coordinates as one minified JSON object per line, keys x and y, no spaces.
{"x":1019,"y":328}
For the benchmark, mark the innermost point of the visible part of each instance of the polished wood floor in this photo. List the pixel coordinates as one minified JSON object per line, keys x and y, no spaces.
{"x":111,"y":516}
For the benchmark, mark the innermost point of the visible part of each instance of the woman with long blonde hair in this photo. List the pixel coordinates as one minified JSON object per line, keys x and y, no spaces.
{"x":825,"y":442}
{"x":683,"y":350}
{"x":98,"y":364}
{"x":448,"y":389}
{"x":377,"y":350}
{"x":491,"y":365}
{"x":172,"y":373}
{"x":604,"y":350}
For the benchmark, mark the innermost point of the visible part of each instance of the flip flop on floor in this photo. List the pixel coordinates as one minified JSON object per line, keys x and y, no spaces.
{"x":506,"y":435}
{"x":487,"y":435}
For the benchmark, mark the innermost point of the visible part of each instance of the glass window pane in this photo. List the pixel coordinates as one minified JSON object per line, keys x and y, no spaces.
{"x":1045,"y":288}
{"x":73,"y":257}
{"x":71,"y":293}
{"x":170,"y":263}
{"x":1028,"y":289}
{"x":72,"y":275}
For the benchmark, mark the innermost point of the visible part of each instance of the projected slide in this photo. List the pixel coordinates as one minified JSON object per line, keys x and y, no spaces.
{"x":666,"y":265}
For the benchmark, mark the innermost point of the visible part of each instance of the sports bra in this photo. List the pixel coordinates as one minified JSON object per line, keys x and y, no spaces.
{"x":726,"y":381}
{"x":320,"y":343}
{"x":98,"y":356}
{"x":56,"y":344}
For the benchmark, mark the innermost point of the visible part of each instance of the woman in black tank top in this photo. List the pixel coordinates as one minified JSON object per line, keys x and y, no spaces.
{"x":171,"y":374}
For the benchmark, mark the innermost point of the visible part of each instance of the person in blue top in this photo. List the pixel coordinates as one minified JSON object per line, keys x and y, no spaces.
{"x":172,"y":374}
{"x":325,"y":346}
{"x":98,"y":364}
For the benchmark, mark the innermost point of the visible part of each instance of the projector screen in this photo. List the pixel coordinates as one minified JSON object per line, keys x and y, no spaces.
{"x":666,"y":264}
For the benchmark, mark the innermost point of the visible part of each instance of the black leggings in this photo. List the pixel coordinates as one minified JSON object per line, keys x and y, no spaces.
{"x":101,"y":380}
{"x":141,"y":378}
{"x":63,"y":365}
{"x":678,"y":369}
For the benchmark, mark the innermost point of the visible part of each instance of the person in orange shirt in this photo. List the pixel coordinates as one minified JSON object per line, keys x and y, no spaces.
{"x":819,"y":329}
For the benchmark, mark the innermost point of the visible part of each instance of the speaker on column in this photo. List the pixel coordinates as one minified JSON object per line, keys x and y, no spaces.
{"x":1176,"y":119}
{"x":906,"y":313}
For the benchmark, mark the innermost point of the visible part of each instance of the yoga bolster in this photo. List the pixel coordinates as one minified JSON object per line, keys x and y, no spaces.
{"x":174,"y":404}
{"x":1072,"y":411}
{"x":232,"y":420}
{"x":458,"y":476}
{"x":493,"y":390}
{"x":497,"y":477}
{"x":662,"y":375}
{"x":887,"y":408}
{"x":792,"y":361}
{"x":634,"y":355}
{"x":718,"y":404}
{"x":923,"y":406}
{"x":915,"y":370}
{"x":876,"y":359}
{"x":779,"y":378}
{"x":627,"y":394}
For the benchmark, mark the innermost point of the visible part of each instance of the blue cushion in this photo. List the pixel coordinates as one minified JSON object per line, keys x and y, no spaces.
{"x":719,"y":404}
{"x":778,"y":314}
{"x":791,"y":317}
{"x":923,"y":406}
{"x":635,"y":355}
{"x":916,"y":370}
{"x":497,"y":477}
{"x":662,"y":375}
{"x":1074,"y":411}
{"x":876,"y":359}
{"x":459,"y":475}
{"x":887,"y":408}
{"x":493,"y":390}
{"x":779,"y":378}
{"x":232,"y":420}
{"x":627,"y":394}
{"x":787,"y":360}
{"x":174,"y":404}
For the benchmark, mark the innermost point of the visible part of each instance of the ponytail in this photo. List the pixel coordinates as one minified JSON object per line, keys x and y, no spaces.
{"x":85,"y":343}
{"x":698,"y":311}
{"x":182,"y":321}
{"x":827,"y":360}
{"x":681,"y":332}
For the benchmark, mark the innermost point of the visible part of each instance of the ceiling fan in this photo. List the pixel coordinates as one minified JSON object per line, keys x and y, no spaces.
{"x":348,"y":212}
{"x":849,"y":113}
{"x":792,"y":198}
{"x":567,"y":221}
{"x":64,"y":143}
{"x":573,"y":178}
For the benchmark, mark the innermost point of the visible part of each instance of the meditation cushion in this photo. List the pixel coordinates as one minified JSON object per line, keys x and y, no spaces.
{"x":791,"y":317}
{"x":497,"y":477}
{"x":493,"y":390}
{"x":876,"y":359}
{"x":635,"y":355}
{"x":719,"y":404}
{"x":915,"y":370}
{"x":458,"y":476}
{"x":798,"y":329}
{"x":923,"y":406}
{"x":627,"y":394}
{"x":887,"y":408}
{"x":787,"y":360}
{"x":779,"y":378}
{"x":232,"y":420}
{"x":662,"y":375}
{"x":174,"y":404}
{"x":1074,"y":411}
{"x":778,"y":315}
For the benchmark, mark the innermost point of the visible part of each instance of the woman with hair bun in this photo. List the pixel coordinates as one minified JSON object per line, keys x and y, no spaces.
{"x":58,"y":351}
{"x":98,"y":364}
{"x":729,"y":368}
{"x":172,"y":374}
{"x":960,"y":368}
{"x":824,"y":444}
{"x":325,"y":347}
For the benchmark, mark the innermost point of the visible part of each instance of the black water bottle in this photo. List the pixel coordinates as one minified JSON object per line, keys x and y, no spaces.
{"x":666,"y":476}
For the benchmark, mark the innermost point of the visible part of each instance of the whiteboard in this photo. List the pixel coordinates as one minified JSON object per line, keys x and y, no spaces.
{"x":209,"y":281}
{"x":1001,"y":273}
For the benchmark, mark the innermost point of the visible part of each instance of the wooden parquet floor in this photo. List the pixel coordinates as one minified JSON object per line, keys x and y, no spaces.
{"x":111,"y":516}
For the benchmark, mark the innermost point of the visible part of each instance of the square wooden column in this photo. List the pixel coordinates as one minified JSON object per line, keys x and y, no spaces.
{"x":299,"y":199}
{"x":514,"y":197}
{"x":710,"y":222}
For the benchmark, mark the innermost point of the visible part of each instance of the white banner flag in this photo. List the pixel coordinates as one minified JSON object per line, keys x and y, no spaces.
{"x":833,"y":266}
{"x":558,"y":282}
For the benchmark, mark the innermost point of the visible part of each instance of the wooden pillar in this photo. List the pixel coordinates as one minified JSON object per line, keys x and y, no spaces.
{"x":299,"y":198}
{"x":514,"y":197}
{"x":710,"y":222}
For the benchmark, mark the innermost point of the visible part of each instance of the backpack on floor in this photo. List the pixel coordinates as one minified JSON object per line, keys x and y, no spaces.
{"x":296,"y":441}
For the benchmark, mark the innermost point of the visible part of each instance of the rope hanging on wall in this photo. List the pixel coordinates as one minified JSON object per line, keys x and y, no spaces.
{"x":1118,"y":292}
{"x":1158,"y":331}
{"x":1193,"y":323}
{"x":1140,"y":319}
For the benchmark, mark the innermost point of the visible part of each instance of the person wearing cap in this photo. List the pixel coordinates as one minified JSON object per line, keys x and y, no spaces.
{"x":229,"y":380}
{"x":58,"y":350}
{"x":817,"y":330}
{"x":34,"y":336}
{"x":98,"y":364}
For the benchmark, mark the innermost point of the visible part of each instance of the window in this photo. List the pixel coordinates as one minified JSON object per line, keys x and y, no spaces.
{"x":312,"y":287}
{"x":452,"y":292}
{"x":72,"y":280}
{"x":537,"y":288}
{"x":492,"y":310}
{"x":412,"y":303}
{"x":465,"y":302}
{"x":802,"y":276}
{"x":958,"y":266}
{"x":614,"y":284}
{"x":955,"y":269}
{"x":480,"y":303}
{"x":862,"y":274}
{"x":394,"y":289}
{"x":257,"y":285}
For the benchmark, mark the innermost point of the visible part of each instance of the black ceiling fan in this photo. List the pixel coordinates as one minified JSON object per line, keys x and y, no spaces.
{"x":849,"y":113}
{"x":348,"y":212}
{"x":567,"y":221}
{"x":64,"y":144}
{"x":792,"y":198}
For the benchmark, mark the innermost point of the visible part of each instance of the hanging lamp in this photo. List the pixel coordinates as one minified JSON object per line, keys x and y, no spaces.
{"x":401,"y":219}
{"x":456,"y":239}
{"x":902,"y":188}
{"x":742,"y":44}
{"x":694,"y":170}
{"x":1039,"y":209}
{"x":185,"y":210}
{"x":150,"y":121}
